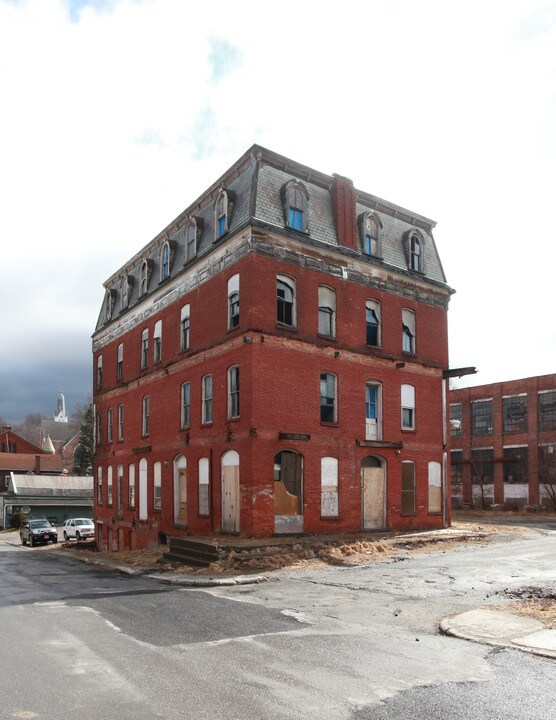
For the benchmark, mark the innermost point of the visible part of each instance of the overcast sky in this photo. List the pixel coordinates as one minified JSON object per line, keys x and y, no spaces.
{"x":116,"y":114}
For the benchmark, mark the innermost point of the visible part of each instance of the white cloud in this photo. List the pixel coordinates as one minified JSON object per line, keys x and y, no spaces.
{"x":117,"y":114}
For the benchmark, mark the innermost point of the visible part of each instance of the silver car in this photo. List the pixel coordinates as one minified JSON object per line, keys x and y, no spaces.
{"x":79,"y":529}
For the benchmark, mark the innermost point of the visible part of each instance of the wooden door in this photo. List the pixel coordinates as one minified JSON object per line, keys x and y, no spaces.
{"x":373,"y":500}
{"x":230,"y":498}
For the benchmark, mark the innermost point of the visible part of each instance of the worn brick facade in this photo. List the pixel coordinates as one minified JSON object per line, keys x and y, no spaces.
{"x":280,"y":368}
{"x":502,"y":441}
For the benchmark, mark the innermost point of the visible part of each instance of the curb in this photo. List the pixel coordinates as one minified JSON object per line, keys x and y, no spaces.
{"x":208,"y":582}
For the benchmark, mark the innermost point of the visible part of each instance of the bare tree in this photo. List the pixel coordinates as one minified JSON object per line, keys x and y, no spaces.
{"x":80,"y":410}
{"x":482,"y":472}
{"x":547,"y":472}
{"x":30,"y":428}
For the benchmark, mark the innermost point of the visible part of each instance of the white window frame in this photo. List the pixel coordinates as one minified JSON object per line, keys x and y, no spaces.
{"x":408,"y":405}
{"x":157,"y":342}
{"x":233,"y":392}
{"x":109,"y":487}
{"x":185,"y":407}
{"x":145,"y":416}
{"x":327,"y":311}
{"x":99,"y":371}
{"x":109,"y":425}
{"x":206,"y":399}
{"x":120,"y":486}
{"x":289,"y":282}
{"x":145,"y":348}
{"x":373,"y":426}
{"x":120,"y":422}
{"x":120,"y":363}
{"x":185,"y":327}
{"x":131,"y":486}
{"x":165,"y":261}
{"x":157,"y":486}
{"x":99,"y":485}
{"x":233,"y":302}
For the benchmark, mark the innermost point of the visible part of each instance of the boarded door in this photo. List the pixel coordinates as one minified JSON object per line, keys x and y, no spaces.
{"x":230,"y":492}
{"x":373,"y":498}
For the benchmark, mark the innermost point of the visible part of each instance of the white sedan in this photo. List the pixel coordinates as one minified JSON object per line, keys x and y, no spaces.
{"x":79,"y":528}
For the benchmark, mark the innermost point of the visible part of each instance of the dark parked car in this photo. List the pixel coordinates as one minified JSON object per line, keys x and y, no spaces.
{"x":37,"y":531}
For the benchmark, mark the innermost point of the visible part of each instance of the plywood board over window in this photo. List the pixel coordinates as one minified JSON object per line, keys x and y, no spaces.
{"x":435,"y":487}
{"x":329,"y":487}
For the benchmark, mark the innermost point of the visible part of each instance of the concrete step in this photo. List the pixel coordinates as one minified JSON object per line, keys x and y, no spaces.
{"x":191,"y":552}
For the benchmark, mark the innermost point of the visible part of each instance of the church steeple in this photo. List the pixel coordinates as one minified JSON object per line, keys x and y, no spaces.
{"x":60,"y":415}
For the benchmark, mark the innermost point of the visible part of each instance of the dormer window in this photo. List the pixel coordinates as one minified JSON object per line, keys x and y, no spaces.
{"x":415,"y":250}
{"x":370,"y":234}
{"x":165,"y":261}
{"x":192,"y":231}
{"x":296,"y":200}
{"x":124,"y":291}
{"x":109,"y":307}
{"x":221,"y":215}
{"x":144,"y":278}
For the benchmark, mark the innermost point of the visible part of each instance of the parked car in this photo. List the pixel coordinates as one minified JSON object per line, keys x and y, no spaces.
{"x":79,"y":528}
{"x":37,"y":531}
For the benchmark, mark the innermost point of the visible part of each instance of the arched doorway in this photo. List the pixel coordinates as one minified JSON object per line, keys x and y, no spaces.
{"x":230,"y":492}
{"x":180,"y":490}
{"x":288,"y":492}
{"x":373,"y":493}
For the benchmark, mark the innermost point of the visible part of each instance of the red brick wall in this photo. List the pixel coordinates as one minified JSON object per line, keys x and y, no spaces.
{"x":279,"y":379}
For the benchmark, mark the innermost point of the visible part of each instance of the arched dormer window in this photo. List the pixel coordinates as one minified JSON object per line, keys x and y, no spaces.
{"x":144,"y":276}
{"x":296,"y":200}
{"x":109,"y":305}
{"x":370,"y":227}
{"x":165,"y":261}
{"x":125,"y":288}
{"x":192,"y":234}
{"x":222,"y":213}
{"x":415,"y":250}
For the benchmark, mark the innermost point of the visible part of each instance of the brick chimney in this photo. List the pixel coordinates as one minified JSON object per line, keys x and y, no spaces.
{"x":37,"y":464}
{"x":343,"y":204}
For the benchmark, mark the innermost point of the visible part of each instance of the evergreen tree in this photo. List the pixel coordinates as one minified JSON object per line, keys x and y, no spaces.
{"x":85,"y":451}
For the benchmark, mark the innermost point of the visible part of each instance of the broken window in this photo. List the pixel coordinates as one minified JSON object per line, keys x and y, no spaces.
{"x":482,"y":466}
{"x":144,"y":348}
{"x":285,"y":301}
{"x":233,"y":302}
{"x":370,"y":239}
{"x":408,"y":331}
{"x":516,"y":464}
{"x":455,"y":419}
{"x":296,"y":205}
{"x":184,"y":328}
{"x":456,"y":467}
{"x":547,"y":410}
{"x":131,"y":486}
{"x":481,"y":417}
{"x":328,"y":412}
{"x":373,"y":425}
{"x":120,"y":363}
{"x":288,"y":476}
{"x":514,"y":410}
{"x":109,"y":494}
{"x":372,"y":308}
{"x":157,"y":337}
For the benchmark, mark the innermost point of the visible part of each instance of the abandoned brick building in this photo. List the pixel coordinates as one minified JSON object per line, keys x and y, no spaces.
{"x":272,"y":362}
{"x":503,"y":443}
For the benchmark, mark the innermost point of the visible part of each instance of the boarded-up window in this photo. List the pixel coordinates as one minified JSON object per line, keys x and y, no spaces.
{"x":157,"y":477}
{"x":131,"y":488}
{"x":99,"y":486}
{"x":329,"y":487}
{"x":435,"y":487}
{"x":180,"y":490}
{"x":408,"y":488}
{"x":203,"y":486}
{"x":109,"y":486}
{"x":120,"y":498}
{"x":143,"y":511}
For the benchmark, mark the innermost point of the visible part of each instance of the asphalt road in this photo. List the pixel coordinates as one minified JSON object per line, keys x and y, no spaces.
{"x":335,"y":643}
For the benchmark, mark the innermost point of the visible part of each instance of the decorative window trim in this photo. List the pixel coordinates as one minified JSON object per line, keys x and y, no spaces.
{"x":145,"y":276}
{"x":126,"y":284}
{"x":295,"y":194}
{"x":223,"y":207}
{"x":110,"y":303}
{"x":368,"y":247}
{"x":415,"y":258}
{"x":282,"y":312}
{"x":167,"y":252}
{"x":192,"y":237}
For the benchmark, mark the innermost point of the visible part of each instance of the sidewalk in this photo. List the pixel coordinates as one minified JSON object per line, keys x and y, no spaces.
{"x":502,"y":629}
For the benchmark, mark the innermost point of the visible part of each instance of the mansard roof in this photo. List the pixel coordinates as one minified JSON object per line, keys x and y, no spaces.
{"x":254,"y":185}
